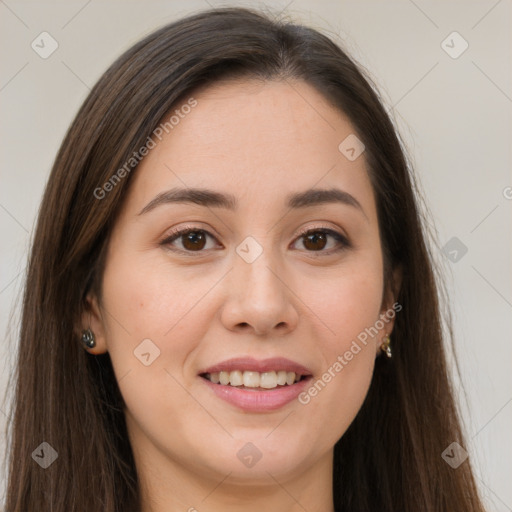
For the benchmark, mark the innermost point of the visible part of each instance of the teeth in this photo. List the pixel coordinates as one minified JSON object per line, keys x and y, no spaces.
{"x":281,"y":378}
{"x":248,"y":379}
{"x":268,"y":380}
{"x":236,"y":378}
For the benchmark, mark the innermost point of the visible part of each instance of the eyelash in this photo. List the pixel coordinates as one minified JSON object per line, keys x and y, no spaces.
{"x":341,"y":239}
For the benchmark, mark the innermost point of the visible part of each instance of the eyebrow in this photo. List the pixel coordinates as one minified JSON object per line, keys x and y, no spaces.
{"x":211,"y":198}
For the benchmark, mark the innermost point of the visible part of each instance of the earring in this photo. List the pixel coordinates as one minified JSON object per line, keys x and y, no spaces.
{"x":385,"y":346}
{"x":88,"y":338}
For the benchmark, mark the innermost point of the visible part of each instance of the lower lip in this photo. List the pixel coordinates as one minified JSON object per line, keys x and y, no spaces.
{"x":258,"y":401}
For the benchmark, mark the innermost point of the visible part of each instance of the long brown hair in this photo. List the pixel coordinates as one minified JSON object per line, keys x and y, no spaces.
{"x":390,"y":457}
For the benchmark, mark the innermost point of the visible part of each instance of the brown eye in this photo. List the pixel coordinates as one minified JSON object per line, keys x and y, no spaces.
{"x":321,"y":241}
{"x":315,"y":241}
{"x":189,"y":240}
{"x":193,"y":240}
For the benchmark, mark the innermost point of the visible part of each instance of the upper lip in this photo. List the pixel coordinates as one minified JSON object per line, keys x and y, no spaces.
{"x":250,"y":364}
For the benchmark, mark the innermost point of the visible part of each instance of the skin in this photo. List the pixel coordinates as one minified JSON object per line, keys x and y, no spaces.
{"x":259,"y":141}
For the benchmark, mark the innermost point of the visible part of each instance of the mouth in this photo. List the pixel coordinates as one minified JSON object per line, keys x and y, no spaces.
{"x":252,"y":380}
{"x":256,"y":386}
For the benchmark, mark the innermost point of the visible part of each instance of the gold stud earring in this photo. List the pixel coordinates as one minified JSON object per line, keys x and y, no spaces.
{"x":385,"y":346}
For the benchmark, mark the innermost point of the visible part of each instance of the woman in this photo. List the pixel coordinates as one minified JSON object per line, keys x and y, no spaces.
{"x":230,"y":302}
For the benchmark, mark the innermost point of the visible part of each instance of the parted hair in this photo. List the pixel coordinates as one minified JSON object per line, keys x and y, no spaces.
{"x":389,"y":459}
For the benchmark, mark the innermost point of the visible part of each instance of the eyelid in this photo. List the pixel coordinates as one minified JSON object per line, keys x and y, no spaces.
{"x":175,"y":233}
{"x":341,"y":238}
{"x":322,"y":227}
{"x":337,"y":234}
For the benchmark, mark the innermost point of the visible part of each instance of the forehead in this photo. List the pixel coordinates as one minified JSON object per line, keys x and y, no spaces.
{"x":260,"y":120}
{"x":253,"y":137}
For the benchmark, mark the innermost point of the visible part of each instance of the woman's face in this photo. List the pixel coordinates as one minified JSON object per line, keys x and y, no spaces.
{"x":246,"y":297}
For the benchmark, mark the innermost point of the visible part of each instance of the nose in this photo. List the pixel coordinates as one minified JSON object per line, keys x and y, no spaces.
{"x":258,"y":299}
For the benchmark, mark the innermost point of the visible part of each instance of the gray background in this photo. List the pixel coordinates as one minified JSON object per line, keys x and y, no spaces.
{"x":454,"y":115}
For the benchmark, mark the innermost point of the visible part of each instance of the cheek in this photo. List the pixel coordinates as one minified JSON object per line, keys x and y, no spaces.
{"x":146,"y":300}
{"x":349,"y":307}
{"x":150,"y":310}
{"x":348,"y":300}
{"x":335,"y":397}
{"x":150,"y":297}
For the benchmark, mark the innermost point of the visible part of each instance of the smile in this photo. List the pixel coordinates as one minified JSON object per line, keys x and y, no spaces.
{"x":248,"y":379}
{"x":257,"y":386}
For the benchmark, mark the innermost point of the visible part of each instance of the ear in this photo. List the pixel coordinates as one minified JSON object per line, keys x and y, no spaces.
{"x":390,"y":307}
{"x":92,"y":319}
